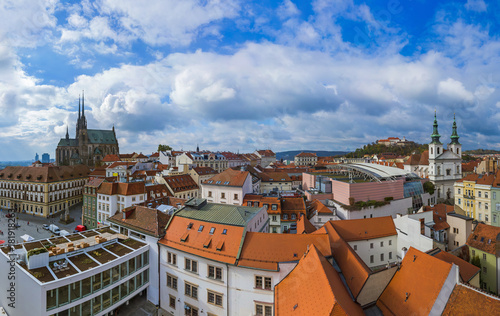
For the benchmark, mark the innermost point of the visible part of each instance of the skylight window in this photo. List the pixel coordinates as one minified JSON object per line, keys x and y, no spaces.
{"x":212,"y":230}
{"x":190,"y":225}
{"x":218,"y":182}
{"x":224,"y":231}
{"x":227,"y":182}
{"x":200,"y":229}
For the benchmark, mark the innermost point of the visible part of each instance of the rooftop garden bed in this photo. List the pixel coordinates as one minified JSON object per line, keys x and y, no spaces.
{"x":90,"y":233}
{"x":32,"y":245}
{"x":359,"y":205}
{"x":58,"y":240}
{"x":42,"y":274}
{"x":132,"y":243}
{"x":105,"y":230}
{"x":62,"y":273}
{"x":101,"y":255}
{"x":6,"y":250}
{"x":118,"y":249}
{"x":75,"y":237}
{"x":83,"y":262}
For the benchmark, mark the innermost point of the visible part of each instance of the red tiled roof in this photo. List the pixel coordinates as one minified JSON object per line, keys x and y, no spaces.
{"x":121,"y":163}
{"x":266,"y":153}
{"x":469,"y":166}
{"x":421,"y":276}
{"x":265,"y":251}
{"x":44,"y":174}
{"x":155,"y":155}
{"x":467,"y":270}
{"x":304,"y":226}
{"x":95,"y":182}
{"x":424,"y":158}
{"x":229,"y":177}
{"x":195,"y":241}
{"x":439,"y":212}
{"x":366,"y":228}
{"x":485,"y":238}
{"x":144,"y":219}
{"x":204,"y":170}
{"x":467,"y":301}
{"x":181,"y":183}
{"x":122,"y":188}
{"x":313,"y":287}
{"x":353,"y":268}
{"x":317,"y":206}
{"x":275,"y":177}
{"x":110,"y":158}
{"x":306,"y":155}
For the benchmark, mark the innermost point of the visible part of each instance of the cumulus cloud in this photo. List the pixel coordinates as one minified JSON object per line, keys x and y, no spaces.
{"x":476,"y":5}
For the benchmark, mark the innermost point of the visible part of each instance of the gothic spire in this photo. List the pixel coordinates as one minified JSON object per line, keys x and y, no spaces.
{"x":78,"y":107}
{"x":435,"y":134}
{"x":454,"y":135}
{"x":67,"y":132}
{"x":83,"y":103}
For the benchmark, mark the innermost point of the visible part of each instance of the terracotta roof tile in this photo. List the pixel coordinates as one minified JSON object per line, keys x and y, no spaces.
{"x":266,"y":153}
{"x":228,"y":243}
{"x":121,"y":163}
{"x":143,"y":219}
{"x":415,"y":277}
{"x":302,"y":154}
{"x":265,"y":251}
{"x":366,"y":228}
{"x":466,"y":301}
{"x":317,"y":206}
{"x":180,"y":183}
{"x":467,"y":270}
{"x":485,"y":238}
{"x":304,"y":226}
{"x":424,"y":158}
{"x":313,"y":287}
{"x":275,"y":177}
{"x":122,"y":188}
{"x":353,"y":268}
{"x":110,"y":158}
{"x":45,"y":173}
{"x":204,"y":170}
{"x":229,"y":177}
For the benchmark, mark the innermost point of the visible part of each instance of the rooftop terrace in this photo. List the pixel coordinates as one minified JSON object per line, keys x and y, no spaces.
{"x":56,"y":258}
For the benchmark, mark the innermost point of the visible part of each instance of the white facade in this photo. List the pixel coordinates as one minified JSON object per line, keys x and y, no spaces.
{"x":109,"y":205}
{"x":392,"y":209}
{"x":409,"y":232}
{"x":226,"y":194}
{"x":377,"y":251}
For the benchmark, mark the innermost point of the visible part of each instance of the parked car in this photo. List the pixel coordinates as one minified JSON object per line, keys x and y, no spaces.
{"x":45,"y":226}
{"x":80,"y":228}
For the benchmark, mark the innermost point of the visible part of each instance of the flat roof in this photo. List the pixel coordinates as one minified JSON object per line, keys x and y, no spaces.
{"x":375,"y":171}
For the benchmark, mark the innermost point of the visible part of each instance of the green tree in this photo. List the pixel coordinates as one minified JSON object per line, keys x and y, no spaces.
{"x":429,"y":187}
{"x":164,"y":148}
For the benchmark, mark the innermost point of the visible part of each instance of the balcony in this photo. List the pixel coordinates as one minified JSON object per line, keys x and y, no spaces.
{"x":470,"y":197}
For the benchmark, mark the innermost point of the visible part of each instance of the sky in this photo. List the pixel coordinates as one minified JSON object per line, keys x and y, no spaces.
{"x":243,"y":75}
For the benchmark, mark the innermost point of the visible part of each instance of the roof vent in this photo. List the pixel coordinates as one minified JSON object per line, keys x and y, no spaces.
{"x":414,"y":258}
{"x":407,"y":296}
{"x":295,"y":306}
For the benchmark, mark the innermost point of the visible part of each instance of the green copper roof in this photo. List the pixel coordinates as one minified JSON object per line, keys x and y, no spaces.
{"x":435,"y":134}
{"x":67,"y":142}
{"x":98,"y":136}
{"x":219,"y":213}
{"x":454,"y":135}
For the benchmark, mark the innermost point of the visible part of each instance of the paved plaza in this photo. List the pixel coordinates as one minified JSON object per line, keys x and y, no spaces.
{"x":32,"y":225}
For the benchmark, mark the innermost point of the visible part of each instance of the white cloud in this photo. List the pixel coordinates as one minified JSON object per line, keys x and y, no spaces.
{"x":476,"y":5}
{"x":454,"y":90}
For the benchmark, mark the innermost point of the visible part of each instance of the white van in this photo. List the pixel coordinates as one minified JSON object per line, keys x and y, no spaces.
{"x":53,"y":228}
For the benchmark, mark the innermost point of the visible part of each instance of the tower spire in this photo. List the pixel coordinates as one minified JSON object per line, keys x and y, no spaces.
{"x":79,"y":107}
{"x":67,"y":132}
{"x":83,"y":103}
{"x":454,"y":135}
{"x":435,"y":134}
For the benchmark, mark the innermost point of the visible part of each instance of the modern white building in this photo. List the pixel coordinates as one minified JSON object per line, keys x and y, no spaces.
{"x":89,"y":273}
{"x":227,"y":187}
{"x":409,"y":228}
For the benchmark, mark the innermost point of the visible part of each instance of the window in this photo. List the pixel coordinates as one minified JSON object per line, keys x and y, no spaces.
{"x":191,"y":265}
{"x":262,"y":282}
{"x":459,"y":201}
{"x":480,"y":216}
{"x":381,"y":257}
{"x":484,"y":256}
{"x":285,"y":216}
{"x":494,"y":195}
{"x":486,"y":194}
{"x":478,"y":193}
{"x":486,"y":217}
{"x":485,"y":206}
{"x":200,"y":229}
{"x":214,"y":298}
{"x":371,"y":259}
{"x":223,"y":195}
{"x":479,"y":205}
{"x":274,"y":218}
{"x":190,"y":310}
{"x":473,"y":253}
{"x":390,"y":255}
{"x":171,"y":301}
{"x":390,"y":242}
{"x":485,"y":270}
{"x":263,"y":310}
{"x":294,"y":216}
{"x":171,"y":281}
{"x":371,"y":245}
{"x":249,"y":203}
{"x":209,"y":193}
{"x":459,"y":193}
{"x":381,"y":244}
{"x":355,"y":247}
{"x":215,"y":273}
{"x":274,"y":207}
{"x":236,"y":196}
{"x":191,"y":290}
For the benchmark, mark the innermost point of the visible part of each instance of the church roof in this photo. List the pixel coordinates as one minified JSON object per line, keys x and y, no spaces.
{"x":67,"y":142}
{"x":99,"y":136}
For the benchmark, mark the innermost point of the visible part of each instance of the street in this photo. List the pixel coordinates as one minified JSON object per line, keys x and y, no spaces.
{"x":34,"y":229}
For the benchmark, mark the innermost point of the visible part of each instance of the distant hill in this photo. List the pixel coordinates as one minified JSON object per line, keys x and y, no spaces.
{"x":481,"y":152}
{"x":374,"y":148}
{"x":4,"y":164}
{"x":290,"y":155}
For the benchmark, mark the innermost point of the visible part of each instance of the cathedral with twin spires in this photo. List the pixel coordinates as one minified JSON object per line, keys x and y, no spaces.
{"x":89,"y":145}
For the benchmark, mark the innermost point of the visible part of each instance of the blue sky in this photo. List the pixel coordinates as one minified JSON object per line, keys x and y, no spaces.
{"x":244,"y":75}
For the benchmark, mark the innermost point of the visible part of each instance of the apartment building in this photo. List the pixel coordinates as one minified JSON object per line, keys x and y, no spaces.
{"x":227,"y":187}
{"x":306,"y":159}
{"x":89,"y":205}
{"x":114,"y":197}
{"x":42,"y":191}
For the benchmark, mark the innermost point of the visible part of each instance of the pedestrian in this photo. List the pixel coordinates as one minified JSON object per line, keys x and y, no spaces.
{"x":28,"y":223}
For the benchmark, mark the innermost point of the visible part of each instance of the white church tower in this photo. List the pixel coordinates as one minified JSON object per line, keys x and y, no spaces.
{"x":445,"y":166}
